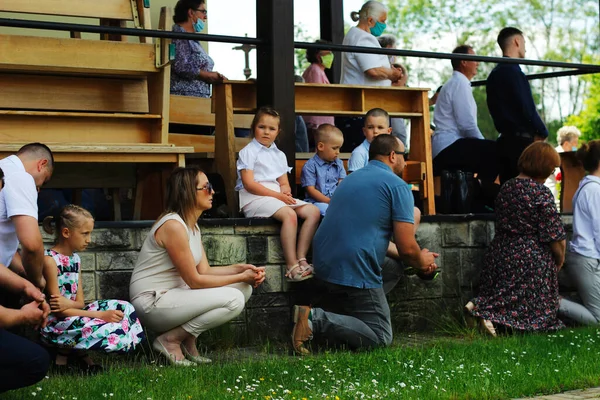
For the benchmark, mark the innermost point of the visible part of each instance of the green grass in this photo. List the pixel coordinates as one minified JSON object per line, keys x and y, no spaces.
{"x":467,"y":368}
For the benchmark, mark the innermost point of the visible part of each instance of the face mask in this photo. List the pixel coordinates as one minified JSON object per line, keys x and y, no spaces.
{"x":199,"y":25}
{"x":574,"y":148}
{"x":378,"y":29}
{"x":327,"y":60}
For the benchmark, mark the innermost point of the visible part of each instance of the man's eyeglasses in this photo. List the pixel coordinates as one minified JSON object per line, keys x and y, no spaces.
{"x":401,"y":153}
{"x":208,"y":187}
{"x":205,"y":12}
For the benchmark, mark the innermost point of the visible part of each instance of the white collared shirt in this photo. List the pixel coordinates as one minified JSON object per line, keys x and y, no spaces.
{"x":18,"y":197}
{"x":586,"y":218}
{"x":359,"y":157}
{"x":455,"y":115}
{"x":267,"y":163}
{"x":354,"y":65}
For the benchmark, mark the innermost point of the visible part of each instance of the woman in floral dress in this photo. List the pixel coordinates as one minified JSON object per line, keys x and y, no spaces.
{"x":518,"y":286}
{"x":73,"y":327}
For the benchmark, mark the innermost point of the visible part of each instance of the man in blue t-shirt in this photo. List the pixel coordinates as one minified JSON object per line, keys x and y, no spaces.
{"x":349,"y":250}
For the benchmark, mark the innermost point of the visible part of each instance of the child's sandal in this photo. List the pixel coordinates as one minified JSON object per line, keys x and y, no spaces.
{"x":295,"y":274}
{"x":308,"y":267}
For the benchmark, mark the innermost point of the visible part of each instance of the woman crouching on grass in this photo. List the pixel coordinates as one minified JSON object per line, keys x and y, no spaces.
{"x":73,"y":328}
{"x":176,"y":293}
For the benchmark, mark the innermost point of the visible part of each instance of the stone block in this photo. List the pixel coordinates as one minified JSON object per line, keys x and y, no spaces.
{"x":226,"y":336}
{"x":471,"y":265}
{"x":420,"y":315}
{"x":417,"y":288}
{"x":112,"y":285}
{"x":455,"y":234}
{"x":116,"y":260}
{"x":225,"y":250}
{"x":491,"y":231}
{"x":450,"y":266}
{"x":274,"y":280}
{"x":141,"y":237}
{"x":428,"y":236}
{"x":251,"y":230}
{"x":256,"y":250}
{"x":478,"y":233}
{"x":112,"y":239}
{"x":269,"y":323}
{"x":268,"y":300}
{"x":274,"y":250}
{"x":88,"y":261}
{"x":89,"y":286}
{"x":48,"y":238}
{"x":217,"y":230}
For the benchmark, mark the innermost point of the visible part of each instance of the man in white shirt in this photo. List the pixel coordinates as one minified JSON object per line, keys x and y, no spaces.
{"x":457,"y":143}
{"x":568,"y":139}
{"x":24,"y":174}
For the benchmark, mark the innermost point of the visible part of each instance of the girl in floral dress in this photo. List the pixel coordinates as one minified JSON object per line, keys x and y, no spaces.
{"x":73,"y":328}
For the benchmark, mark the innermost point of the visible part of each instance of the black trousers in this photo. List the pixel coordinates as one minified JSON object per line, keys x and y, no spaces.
{"x":22,"y":362}
{"x":469,"y":155}
{"x":509,"y":150}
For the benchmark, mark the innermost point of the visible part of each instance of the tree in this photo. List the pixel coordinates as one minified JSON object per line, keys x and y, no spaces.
{"x":588,"y":120}
{"x":555,"y":30}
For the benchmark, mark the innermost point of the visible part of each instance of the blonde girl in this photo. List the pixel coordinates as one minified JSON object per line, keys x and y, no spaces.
{"x":73,"y":328}
{"x":265,"y":192}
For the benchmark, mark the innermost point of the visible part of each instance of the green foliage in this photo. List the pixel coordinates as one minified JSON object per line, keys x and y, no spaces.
{"x":555,"y":30}
{"x":588,"y":121}
{"x":300,"y":63}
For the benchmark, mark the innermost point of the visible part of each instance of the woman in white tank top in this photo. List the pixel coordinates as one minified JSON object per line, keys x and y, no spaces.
{"x":173,"y":289}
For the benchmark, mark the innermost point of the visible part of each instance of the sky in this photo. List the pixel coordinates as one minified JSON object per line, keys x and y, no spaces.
{"x":222,"y":20}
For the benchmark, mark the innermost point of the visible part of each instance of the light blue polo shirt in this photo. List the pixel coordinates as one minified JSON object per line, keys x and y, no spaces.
{"x":351,"y":242}
{"x":359,"y":157}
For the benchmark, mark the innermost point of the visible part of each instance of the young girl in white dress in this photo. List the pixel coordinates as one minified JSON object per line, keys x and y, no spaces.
{"x":265,"y":192}
{"x":73,"y":328}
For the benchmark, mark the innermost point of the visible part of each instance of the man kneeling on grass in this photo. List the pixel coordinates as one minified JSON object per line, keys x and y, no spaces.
{"x":349,"y":249}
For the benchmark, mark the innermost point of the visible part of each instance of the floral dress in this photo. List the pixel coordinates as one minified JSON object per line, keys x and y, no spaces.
{"x":518,"y":285}
{"x":84,"y":333}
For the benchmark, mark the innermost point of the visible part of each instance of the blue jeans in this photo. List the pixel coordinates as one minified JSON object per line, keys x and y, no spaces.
{"x":361,"y":319}
{"x":22,"y":362}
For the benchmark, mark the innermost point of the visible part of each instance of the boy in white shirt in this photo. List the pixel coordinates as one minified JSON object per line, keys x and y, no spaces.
{"x":377,"y":122}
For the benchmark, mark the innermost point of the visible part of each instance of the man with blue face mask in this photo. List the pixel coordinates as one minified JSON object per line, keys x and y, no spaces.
{"x":362,"y":68}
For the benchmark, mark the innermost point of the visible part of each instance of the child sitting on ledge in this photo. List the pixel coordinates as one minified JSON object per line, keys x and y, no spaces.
{"x":322,"y":174}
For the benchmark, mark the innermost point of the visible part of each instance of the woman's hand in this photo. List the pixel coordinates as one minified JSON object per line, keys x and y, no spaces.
{"x":212,"y":77}
{"x":111,"y":315}
{"x":261,"y":275}
{"x":249,"y":276}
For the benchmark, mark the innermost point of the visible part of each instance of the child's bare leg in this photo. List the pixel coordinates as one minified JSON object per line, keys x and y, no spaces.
{"x":289,"y":229}
{"x":171,"y":341}
{"x":417,"y":218}
{"x":311,"y":216}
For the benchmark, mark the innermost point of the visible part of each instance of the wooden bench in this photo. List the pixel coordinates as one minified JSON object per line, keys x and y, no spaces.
{"x":91,"y":101}
{"x":239,"y":97}
{"x":110,"y":12}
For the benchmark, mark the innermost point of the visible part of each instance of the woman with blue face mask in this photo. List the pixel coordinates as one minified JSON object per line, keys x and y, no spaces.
{"x":192,"y":69}
{"x":362,"y":68}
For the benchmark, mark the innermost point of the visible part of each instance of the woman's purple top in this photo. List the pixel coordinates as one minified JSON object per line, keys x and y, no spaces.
{"x":190,"y":59}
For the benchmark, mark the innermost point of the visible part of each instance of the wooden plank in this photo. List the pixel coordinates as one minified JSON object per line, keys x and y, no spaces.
{"x":28,"y":53}
{"x":65,"y":114}
{"x":116,"y":9}
{"x":225,"y":142}
{"x":198,"y":111}
{"x":47,"y":92}
{"x":158,"y":90}
{"x":572,"y":173}
{"x":145,"y":19}
{"x":104,"y":148}
{"x":414,"y":172}
{"x":25,"y":128}
{"x":166,"y":158}
{"x":398,"y":102}
{"x":420,"y":150}
{"x":203,"y":143}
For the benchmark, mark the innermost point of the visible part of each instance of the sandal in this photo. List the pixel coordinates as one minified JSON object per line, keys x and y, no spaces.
{"x":297,"y":276}
{"x":308,"y":267}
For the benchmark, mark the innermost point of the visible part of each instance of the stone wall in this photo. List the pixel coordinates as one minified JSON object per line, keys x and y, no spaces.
{"x":416,"y":305}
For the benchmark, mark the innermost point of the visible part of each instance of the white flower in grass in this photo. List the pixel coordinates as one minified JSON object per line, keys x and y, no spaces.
{"x":402,"y":384}
{"x":38,"y":389}
{"x":33,"y":393}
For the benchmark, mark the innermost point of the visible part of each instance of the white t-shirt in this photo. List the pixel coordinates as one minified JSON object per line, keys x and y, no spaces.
{"x":267,"y":163}
{"x":354,"y":65}
{"x":18,"y":197}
